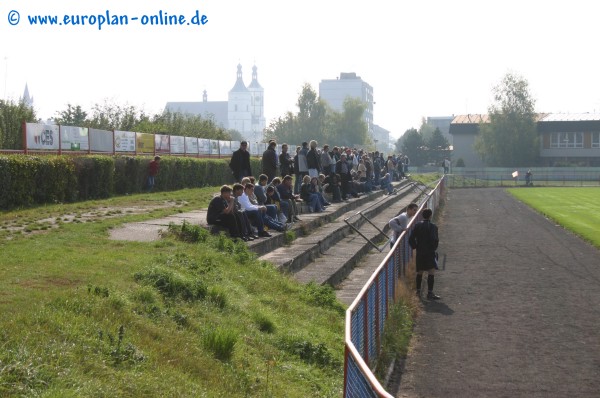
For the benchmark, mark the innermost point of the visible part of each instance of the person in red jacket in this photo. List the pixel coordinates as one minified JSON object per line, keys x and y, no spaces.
{"x":153,"y":172}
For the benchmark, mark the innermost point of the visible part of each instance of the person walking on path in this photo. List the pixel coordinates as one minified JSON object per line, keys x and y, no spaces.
{"x":399,"y":223}
{"x":424,"y":238}
{"x":240,"y":162}
{"x":153,"y":168}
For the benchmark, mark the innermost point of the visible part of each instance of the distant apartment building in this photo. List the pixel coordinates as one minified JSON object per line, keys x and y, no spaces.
{"x":243,"y":111}
{"x":381,"y":138}
{"x":335,"y":91}
{"x":443,"y":124}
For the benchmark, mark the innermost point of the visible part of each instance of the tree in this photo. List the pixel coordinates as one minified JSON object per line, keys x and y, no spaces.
{"x":72,"y":116}
{"x":109,"y":116}
{"x":437,"y":147}
{"x":12,"y":116}
{"x":510,"y":139}
{"x":412,"y":146}
{"x":311,"y":115}
{"x":349,"y":127}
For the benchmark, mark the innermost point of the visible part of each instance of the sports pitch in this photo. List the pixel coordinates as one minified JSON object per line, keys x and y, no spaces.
{"x":577,"y":209}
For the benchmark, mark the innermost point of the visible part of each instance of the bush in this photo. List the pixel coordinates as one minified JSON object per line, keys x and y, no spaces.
{"x":95,"y":176}
{"x":26,"y":180}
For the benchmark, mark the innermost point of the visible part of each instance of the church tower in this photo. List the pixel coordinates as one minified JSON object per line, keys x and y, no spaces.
{"x":27,"y":99}
{"x":257,"y":108}
{"x":239,"y":107}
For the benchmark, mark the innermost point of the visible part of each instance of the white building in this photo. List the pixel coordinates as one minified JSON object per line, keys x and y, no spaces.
{"x":243,"y":111}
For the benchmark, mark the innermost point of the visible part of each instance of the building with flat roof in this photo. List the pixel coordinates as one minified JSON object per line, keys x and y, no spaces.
{"x":565,"y":138}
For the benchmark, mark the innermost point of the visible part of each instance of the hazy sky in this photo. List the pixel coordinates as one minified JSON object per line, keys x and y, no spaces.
{"x":423,"y":58}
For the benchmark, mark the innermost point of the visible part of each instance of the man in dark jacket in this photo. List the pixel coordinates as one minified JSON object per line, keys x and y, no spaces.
{"x":269,"y":161}
{"x":240,"y":162}
{"x":424,"y":238}
{"x":286,"y":162}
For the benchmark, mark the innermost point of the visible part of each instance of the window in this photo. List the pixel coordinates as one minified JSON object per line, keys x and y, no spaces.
{"x":596,"y":140}
{"x":566,"y":140}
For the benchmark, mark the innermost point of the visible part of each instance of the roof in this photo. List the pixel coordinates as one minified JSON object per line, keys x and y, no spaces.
{"x":485,"y":118}
{"x":570,"y":117}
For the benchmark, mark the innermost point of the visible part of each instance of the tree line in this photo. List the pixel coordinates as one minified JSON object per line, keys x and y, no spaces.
{"x":109,"y":116}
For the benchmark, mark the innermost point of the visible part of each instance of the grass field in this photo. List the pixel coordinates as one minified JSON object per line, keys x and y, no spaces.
{"x":85,"y":316}
{"x":577,"y":209}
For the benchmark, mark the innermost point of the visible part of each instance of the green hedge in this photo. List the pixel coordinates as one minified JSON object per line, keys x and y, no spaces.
{"x":26,"y":180}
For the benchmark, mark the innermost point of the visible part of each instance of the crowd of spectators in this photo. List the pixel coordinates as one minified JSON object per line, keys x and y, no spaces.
{"x":311,"y":175}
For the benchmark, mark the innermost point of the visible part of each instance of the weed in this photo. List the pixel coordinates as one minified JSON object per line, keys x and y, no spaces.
{"x":396,"y":337}
{"x":322,"y":296}
{"x":119,"y":353}
{"x":308,"y":351}
{"x":221,"y":342}
{"x":171,"y":283}
{"x":98,"y":291}
{"x":264,"y":323}
{"x":187,"y":232}
{"x":217,"y":296}
{"x":290,"y":236}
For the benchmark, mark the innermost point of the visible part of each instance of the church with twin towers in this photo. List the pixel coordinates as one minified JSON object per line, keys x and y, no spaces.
{"x":243,"y":111}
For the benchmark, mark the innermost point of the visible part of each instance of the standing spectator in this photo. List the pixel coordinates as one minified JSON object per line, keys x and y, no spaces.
{"x":302,"y":167}
{"x":446,"y":166}
{"x":400,"y":223}
{"x":153,"y":168}
{"x":326,"y":160}
{"x":344,"y":168}
{"x":286,"y":163}
{"x":240,"y":162}
{"x":424,"y":238}
{"x":313,"y":160}
{"x":269,"y":161}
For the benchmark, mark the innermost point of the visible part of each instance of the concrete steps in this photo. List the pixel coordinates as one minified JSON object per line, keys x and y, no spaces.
{"x":328,"y":253}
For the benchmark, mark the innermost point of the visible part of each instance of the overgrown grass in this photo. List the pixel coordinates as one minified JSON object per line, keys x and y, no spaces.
{"x":82,"y":315}
{"x":577,"y":209}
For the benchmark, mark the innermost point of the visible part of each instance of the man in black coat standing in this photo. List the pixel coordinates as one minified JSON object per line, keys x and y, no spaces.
{"x":424,"y":238}
{"x":269,"y":161}
{"x":240,"y":162}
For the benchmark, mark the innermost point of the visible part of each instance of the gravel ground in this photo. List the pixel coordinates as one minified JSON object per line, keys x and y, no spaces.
{"x":520,"y":308}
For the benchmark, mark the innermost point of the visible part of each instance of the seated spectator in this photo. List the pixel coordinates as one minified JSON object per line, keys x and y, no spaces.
{"x":273,"y":199}
{"x":332,"y":185}
{"x":315,"y":187}
{"x":267,"y":212}
{"x":221,"y":211}
{"x":286,"y":193}
{"x":310,"y":198}
{"x":260,"y":189}
{"x":284,"y":204}
{"x":251,"y":212}
{"x":386,"y":183}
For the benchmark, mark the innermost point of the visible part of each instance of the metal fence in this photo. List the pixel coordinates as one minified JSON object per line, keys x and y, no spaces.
{"x":365,"y":318}
{"x":510,"y":177}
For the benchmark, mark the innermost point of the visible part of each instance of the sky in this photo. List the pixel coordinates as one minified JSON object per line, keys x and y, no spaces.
{"x":422,"y":58}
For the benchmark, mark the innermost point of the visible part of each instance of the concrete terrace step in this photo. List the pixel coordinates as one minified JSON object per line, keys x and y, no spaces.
{"x":330,"y":252}
{"x":334,"y":265}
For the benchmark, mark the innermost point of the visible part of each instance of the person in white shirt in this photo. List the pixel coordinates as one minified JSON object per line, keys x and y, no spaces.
{"x":399,"y":223}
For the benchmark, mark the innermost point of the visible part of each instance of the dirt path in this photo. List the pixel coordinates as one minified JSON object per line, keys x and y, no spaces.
{"x":520,"y":309}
